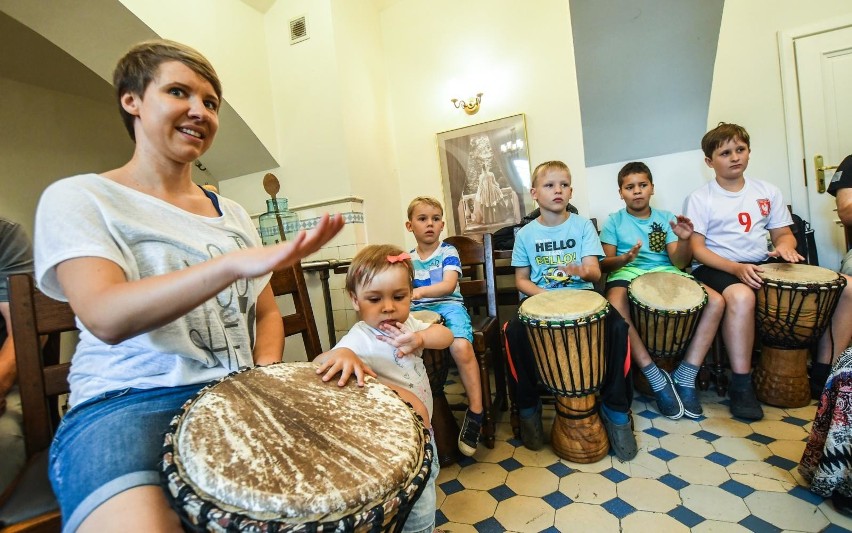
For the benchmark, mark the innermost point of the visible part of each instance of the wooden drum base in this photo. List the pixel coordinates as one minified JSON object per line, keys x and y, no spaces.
{"x":781,"y":377}
{"x":664,"y":363}
{"x":578,"y":440}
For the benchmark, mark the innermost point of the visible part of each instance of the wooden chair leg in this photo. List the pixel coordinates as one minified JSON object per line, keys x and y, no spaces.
{"x":487,"y":415}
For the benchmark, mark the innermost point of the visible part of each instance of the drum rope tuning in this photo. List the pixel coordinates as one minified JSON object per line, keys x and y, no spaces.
{"x":783,"y":317}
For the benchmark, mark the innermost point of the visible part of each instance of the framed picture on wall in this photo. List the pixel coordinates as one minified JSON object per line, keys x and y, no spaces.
{"x":485,"y":170}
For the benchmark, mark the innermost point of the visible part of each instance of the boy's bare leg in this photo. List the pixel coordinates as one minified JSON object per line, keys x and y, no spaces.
{"x":462,"y":352}
{"x":738,"y":326}
{"x":738,"y":333}
{"x":142,"y":509}
{"x":836,"y":338}
{"x":706,"y":329}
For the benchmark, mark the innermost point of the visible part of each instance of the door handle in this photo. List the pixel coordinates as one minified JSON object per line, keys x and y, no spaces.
{"x":820,"y":168}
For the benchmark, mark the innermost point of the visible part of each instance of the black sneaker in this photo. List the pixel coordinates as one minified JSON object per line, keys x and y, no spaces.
{"x":817,"y":387}
{"x":621,"y":437}
{"x":744,"y":403}
{"x":532,"y":432}
{"x":842,"y":504}
{"x":469,"y":435}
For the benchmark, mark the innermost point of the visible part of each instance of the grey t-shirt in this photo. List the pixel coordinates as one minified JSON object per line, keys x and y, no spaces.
{"x":16,"y":254}
{"x":92,"y":216}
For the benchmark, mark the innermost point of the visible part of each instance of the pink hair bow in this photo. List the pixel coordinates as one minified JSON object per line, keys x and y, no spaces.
{"x":397,"y":258}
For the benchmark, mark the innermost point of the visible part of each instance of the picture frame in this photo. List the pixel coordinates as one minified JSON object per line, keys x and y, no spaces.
{"x":485,"y":171}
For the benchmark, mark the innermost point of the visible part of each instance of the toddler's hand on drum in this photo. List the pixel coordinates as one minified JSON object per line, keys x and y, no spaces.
{"x":345,"y":362}
{"x":682,"y":227}
{"x":747,"y":273}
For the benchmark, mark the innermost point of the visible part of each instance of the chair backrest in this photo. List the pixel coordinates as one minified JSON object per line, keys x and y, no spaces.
{"x":41,"y":378}
{"x":477,"y":288}
{"x":292,"y":281}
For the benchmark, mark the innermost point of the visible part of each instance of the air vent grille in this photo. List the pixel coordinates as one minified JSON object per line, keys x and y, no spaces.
{"x":298,"y":30}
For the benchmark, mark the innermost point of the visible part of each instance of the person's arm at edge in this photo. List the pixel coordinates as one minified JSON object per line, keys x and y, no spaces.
{"x":785,"y":244}
{"x":8,"y":370}
{"x":844,"y":206}
{"x":269,"y":346}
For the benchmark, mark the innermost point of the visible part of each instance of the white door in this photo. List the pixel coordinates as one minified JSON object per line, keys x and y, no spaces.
{"x":824,"y":72}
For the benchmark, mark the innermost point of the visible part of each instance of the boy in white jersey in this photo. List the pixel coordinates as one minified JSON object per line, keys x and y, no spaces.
{"x":437,"y":268}
{"x":639,"y":239}
{"x":735,"y":220}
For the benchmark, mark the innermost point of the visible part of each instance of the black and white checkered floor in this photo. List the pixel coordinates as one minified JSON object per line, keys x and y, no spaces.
{"x":713,"y":474}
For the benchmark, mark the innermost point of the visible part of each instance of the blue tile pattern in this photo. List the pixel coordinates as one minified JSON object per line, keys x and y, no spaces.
{"x":686,"y":516}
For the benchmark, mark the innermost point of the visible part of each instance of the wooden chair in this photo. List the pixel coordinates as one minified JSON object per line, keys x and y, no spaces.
{"x":292,"y":281}
{"x":32,"y":507}
{"x":480,"y":292}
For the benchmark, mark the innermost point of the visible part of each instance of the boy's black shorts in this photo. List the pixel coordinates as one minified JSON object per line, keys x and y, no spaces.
{"x":718,"y":280}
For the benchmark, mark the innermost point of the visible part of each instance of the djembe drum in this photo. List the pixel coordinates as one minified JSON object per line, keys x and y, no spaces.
{"x":793,"y":309}
{"x":443,"y":422}
{"x":274,"y":448}
{"x":567,"y":332}
{"x":665,"y":309}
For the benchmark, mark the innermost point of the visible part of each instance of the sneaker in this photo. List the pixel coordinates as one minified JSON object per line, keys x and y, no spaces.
{"x":689,"y":399}
{"x":668,"y":401}
{"x":842,"y":504}
{"x":532,"y":432}
{"x":621,"y":437}
{"x":469,"y":435}
{"x":744,"y":403}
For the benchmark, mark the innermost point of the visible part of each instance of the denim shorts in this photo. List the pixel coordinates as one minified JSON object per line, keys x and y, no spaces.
{"x":455,"y":316}
{"x":109,"y":444}
{"x":421,"y":519}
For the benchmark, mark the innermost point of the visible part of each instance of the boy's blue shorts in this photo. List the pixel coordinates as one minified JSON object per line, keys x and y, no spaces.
{"x":455,"y":317}
{"x":109,"y":444}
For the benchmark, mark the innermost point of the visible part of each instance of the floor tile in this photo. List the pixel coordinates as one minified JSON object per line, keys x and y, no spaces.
{"x":686,"y":516}
{"x":532,"y":481}
{"x":482,"y":476}
{"x":648,"y":495}
{"x":587,"y":488}
{"x":836,"y":518}
{"x":714,"y":526}
{"x":725,"y":427}
{"x":597,"y":467}
{"x":469,"y":506}
{"x":714,"y":503}
{"x":760,"y":475}
{"x":543,"y":457}
{"x":788,"y":449}
{"x":806,"y":413}
{"x":644,"y":465}
{"x":785,"y":511}
{"x":451,"y":527}
{"x":585,"y":518}
{"x":642,"y":522}
{"x":684,"y":426}
{"x":501,"y":451}
{"x":742,"y":449}
{"x":523,"y":513}
{"x":686,"y":445}
{"x":778,"y":430}
{"x":695,"y":470}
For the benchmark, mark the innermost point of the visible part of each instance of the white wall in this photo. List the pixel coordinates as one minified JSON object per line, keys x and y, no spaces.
{"x":233,"y":37}
{"x":47,"y":135}
{"x":747,"y":79}
{"x":519,"y":54}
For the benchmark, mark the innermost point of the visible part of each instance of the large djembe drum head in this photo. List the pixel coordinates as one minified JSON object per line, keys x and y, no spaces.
{"x":566,"y":329}
{"x":275,"y":448}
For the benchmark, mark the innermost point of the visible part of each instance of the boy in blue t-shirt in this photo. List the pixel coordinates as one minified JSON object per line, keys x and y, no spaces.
{"x":437,"y":268}
{"x":636,"y":240}
{"x":560,"y":250}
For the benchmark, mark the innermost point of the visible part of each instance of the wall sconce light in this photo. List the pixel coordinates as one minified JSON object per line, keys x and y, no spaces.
{"x":470,"y":107}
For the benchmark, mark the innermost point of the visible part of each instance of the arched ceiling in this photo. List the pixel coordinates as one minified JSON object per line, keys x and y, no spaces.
{"x":72,"y":47}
